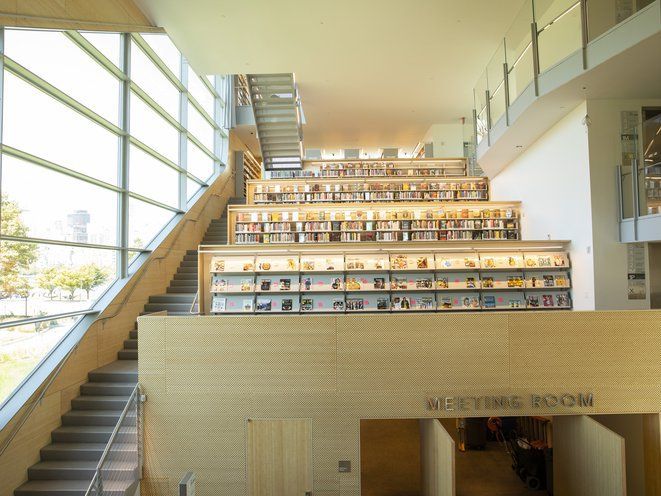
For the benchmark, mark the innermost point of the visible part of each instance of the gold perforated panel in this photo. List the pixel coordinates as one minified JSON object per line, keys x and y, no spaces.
{"x":205,"y":375}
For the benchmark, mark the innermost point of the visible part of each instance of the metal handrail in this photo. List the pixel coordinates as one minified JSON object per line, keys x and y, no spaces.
{"x":167,"y":253}
{"x":37,"y":401}
{"x":23,"y":419}
{"x":133,"y":396}
{"x":197,"y":294}
{"x":44,"y":318}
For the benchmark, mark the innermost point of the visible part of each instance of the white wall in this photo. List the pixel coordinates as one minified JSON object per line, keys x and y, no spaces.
{"x":448,"y":140}
{"x":630,"y":427}
{"x":610,"y":257}
{"x":552,"y":181}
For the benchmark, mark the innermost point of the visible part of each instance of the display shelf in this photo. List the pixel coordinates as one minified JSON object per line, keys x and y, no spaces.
{"x":389,"y":280}
{"x":367,"y":190}
{"x":451,"y":167}
{"x":378,"y":222}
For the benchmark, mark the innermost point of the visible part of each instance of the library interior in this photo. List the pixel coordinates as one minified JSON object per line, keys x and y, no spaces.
{"x":369,"y":248}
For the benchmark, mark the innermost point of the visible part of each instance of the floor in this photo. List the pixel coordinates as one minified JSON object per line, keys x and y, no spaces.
{"x":390,"y":463}
{"x":486,"y":473}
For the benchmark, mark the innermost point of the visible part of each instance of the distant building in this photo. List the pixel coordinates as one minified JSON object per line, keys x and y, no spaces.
{"x":77,"y":223}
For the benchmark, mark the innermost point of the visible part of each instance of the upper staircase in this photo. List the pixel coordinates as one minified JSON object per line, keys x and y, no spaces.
{"x":278,"y":119}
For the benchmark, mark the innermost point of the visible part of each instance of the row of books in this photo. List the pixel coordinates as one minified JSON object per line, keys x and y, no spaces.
{"x":221,"y":284}
{"x":375,"y":236}
{"x":474,"y":185}
{"x":383,"y":196}
{"x":220,"y":304}
{"x":320,"y":214}
{"x":441,"y":261}
{"x":381,"y":225}
{"x":368,"y":187}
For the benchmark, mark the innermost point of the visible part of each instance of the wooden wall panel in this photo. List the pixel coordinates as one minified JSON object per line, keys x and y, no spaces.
{"x":110,"y":15}
{"x":279,"y":457}
{"x":205,"y":375}
{"x":588,"y":458}
{"x":438,"y":459}
{"x":652,"y":454}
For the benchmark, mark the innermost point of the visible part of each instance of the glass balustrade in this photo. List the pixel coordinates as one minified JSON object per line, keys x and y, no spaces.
{"x":559,"y":30}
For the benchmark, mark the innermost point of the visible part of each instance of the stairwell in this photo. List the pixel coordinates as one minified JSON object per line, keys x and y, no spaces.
{"x":276,"y":106}
{"x":68,"y":464}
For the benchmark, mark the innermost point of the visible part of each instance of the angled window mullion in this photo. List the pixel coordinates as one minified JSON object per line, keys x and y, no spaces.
{"x":156,"y":203}
{"x":150,"y":151}
{"x":84,"y":44}
{"x":33,"y":159}
{"x":202,"y":111}
{"x":199,"y":144}
{"x":47,"y":88}
{"x":153,"y":56}
{"x":211,"y":87}
{"x":144,"y":96}
{"x":59,"y":242}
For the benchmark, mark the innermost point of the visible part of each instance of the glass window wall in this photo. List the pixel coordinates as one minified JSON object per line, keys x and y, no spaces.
{"x":62,"y":174}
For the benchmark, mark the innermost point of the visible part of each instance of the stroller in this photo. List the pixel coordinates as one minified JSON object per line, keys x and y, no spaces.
{"x":528,"y":460}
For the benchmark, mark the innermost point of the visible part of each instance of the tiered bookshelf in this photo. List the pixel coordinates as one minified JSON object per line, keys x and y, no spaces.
{"x":368,"y":190}
{"x":376,"y":222}
{"x":411,"y":277}
{"x":454,"y":167}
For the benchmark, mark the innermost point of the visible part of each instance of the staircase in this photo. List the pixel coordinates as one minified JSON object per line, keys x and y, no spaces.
{"x":68,"y":464}
{"x":278,"y":119}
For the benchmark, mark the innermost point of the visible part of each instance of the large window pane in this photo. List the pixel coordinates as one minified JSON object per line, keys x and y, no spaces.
{"x":152,"y":178}
{"x":52,"y":205}
{"x":40,"y":279}
{"x":145,"y":222}
{"x":38,"y":124}
{"x":23,"y":347}
{"x":153,"y":82}
{"x":200,"y":92}
{"x":192,"y":187}
{"x":199,"y":163}
{"x":150,"y":128}
{"x":106,"y":43}
{"x":55,"y":58}
{"x":165,"y":49}
{"x":199,"y":127}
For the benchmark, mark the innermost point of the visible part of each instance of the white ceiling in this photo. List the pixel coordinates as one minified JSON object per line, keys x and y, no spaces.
{"x":371,"y":73}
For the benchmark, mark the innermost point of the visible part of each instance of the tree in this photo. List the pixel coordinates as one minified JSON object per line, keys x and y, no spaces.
{"x":15,"y":256}
{"x":91,"y":276}
{"x":69,"y":280}
{"x":47,"y":280}
{"x":23,"y":290}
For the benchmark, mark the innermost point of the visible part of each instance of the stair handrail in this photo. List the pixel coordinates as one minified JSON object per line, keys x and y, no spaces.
{"x":26,"y":415}
{"x":37,"y":401}
{"x":143,"y":270}
{"x":96,"y":484}
{"x":197,"y":294}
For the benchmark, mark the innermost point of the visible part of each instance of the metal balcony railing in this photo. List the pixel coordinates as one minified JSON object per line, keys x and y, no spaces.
{"x":543,"y":34}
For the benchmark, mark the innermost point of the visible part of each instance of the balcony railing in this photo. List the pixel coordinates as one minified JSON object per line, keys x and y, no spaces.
{"x":543,"y":34}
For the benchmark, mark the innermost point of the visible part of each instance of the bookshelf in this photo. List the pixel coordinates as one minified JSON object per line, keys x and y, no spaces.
{"x":407,"y":277}
{"x":452,"y":167}
{"x":376,"y":222}
{"x":367,"y":190}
